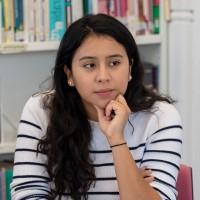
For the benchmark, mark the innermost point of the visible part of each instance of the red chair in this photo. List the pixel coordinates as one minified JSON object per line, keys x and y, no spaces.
{"x":184,"y":183}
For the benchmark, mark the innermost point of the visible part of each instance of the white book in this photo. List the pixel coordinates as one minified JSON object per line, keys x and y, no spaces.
{"x":146,"y":11}
{"x":77,"y":9}
{"x":95,"y":7}
{"x":39,"y":12}
{"x":19,"y":21}
{"x":1,"y":39}
{"x":46,"y":19}
{"x":31,"y":20}
{"x":26,"y":20}
{"x":9,"y":20}
{"x":1,"y":111}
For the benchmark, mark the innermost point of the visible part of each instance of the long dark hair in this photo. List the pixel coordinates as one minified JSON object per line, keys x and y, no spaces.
{"x":68,"y":135}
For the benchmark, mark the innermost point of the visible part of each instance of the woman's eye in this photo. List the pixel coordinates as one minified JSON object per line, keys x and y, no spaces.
{"x":114,"y":63}
{"x":89,"y":65}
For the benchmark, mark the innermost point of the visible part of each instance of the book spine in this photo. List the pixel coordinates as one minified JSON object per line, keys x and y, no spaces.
{"x":1,"y":26}
{"x":31,"y":20}
{"x":19,"y":20}
{"x":95,"y":8}
{"x":26,"y":19}
{"x":3,"y":184}
{"x":3,"y":22}
{"x":77,"y":9}
{"x":8,"y":21}
{"x":111,"y":8}
{"x":57,"y":19}
{"x":68,"y":12}
{"x":8,"y":175}
{"x":156,"y":16}
{"x":46,"y":19}
{"x":102,"y":6}
{"x":40,"y":21}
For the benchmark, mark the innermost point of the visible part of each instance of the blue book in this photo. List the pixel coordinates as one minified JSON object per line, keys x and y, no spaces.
{"x":9,"y":175}
{"x":1,"y":178}
{"x":57,"y":19}
{"x":19,"y":20}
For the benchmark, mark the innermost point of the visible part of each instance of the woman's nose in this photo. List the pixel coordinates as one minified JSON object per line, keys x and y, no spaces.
{"x":103,"y":74}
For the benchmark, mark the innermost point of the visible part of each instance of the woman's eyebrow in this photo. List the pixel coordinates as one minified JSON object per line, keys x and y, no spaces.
{"x":87,"y":57}
{"x":93,"y":57}
{"x":115,"y":55}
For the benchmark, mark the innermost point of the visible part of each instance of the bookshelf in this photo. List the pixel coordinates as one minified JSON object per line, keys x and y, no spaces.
{"x":17,"y":47}
{"x":152,"y":47}
{"x":7,"y":148}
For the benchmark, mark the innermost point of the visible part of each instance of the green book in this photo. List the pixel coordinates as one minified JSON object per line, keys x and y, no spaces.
{"x":8,"y":175}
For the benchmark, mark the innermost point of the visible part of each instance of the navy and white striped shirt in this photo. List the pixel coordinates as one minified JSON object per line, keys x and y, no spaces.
{"x":154,"y":139}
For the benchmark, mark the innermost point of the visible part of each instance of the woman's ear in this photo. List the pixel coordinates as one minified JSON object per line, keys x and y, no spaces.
{"x":130,"y":69}
{"x":69,"y":75}
{"x":67,"y":72}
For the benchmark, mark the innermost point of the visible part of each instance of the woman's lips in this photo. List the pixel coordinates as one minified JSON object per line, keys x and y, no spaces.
{"x":104,"y":93}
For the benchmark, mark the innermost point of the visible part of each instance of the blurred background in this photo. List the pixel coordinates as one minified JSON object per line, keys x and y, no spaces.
{"x":167,"y":33}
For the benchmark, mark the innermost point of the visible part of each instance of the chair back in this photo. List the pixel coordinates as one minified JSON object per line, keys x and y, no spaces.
{"x":184,"y":183}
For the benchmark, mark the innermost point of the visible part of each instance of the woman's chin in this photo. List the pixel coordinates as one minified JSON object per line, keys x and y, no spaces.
{"x":102,"y":105}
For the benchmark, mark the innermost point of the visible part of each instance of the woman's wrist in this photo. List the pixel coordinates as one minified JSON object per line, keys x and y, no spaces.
{"x":115,"y":140}
{"x":119,"y":144}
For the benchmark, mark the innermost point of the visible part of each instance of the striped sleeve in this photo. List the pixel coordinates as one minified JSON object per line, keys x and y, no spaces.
{"x":163,"y":150}
{"x":30,"y":178}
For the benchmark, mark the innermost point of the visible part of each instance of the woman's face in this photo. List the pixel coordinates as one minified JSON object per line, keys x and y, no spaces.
{"x":100,"y":71}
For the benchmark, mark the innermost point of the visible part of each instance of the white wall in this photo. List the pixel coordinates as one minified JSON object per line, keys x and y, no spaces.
{"x":195,"y":98}
{"x":184,"y":82}
{"x":20,"y":76}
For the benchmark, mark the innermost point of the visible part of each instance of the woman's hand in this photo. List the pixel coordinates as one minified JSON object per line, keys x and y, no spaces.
{"x":146,"y":174}
{"x":113,"y":119}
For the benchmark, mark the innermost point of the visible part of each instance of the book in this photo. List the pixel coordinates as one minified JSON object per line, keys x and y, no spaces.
{"x":151,"y":76}
{"x":31,"y":19}
{"x":8,"y":175}
{"x":156,"y":16}
{"x":1,"y":19}
{"x":3,"y":184}
{"x":77,"y":9}
{"x":57,"y":19}
{"x":19,"y":20}
{"x":40,"y":21}
{"x":68,"y":12}
{"x":46,"y":19}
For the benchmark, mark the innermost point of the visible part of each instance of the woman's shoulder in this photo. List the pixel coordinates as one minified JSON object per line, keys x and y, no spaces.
{"x":165,"y":110}
{"x":35,"y":109}
{"x":37,"y":100}
{"x":160,"y":114}
{"x":165,"y":115}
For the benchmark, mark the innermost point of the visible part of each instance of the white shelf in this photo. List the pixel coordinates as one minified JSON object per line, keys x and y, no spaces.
{"x":7,"y":148}
{"x":148,"y":39}
{"x":20,"y":47}
{"x":42,"y":46}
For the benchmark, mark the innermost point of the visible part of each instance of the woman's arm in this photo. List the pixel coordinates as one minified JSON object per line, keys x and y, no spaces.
{"x":131,"y":184}
{"x":30,"y":178}
{"x":162,"y":151}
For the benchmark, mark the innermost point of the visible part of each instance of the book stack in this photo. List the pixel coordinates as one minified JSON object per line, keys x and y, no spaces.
{"x":47,"y":20}
{"x":151,"y":76}
{"x":34,"y":20}
{"x":141,"y":16}
{"x":6,"y":173}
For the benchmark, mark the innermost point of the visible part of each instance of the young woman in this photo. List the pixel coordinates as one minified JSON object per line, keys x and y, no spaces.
{"x":88,"y":136}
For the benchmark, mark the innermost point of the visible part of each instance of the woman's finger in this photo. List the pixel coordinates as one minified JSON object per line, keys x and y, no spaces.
{"x":113,"y":108}
{"x":149,"y":179}
{"x":100,"y":112}
{"x":122,"y":100}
